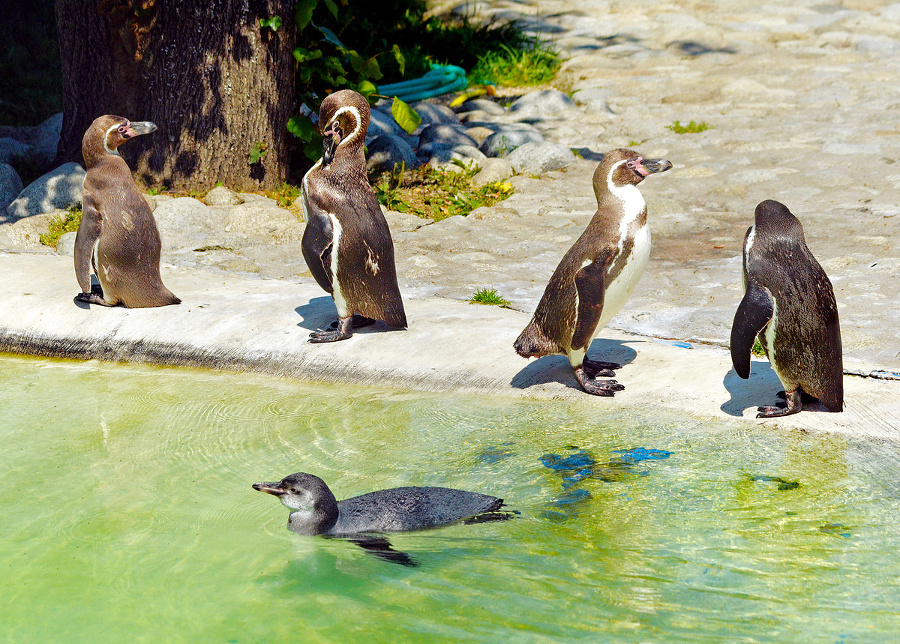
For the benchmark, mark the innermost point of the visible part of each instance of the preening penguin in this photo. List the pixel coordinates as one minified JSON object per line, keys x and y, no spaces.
{"x":347,"y":243}
{"x":117,"y":235}
{"x":789,"y":305}
{"x":598,"y":274}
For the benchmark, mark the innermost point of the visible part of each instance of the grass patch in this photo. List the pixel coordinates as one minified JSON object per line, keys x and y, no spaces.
{"x":757,"y":349}
{"x":517,"y":67}
{"x":436,"y":193}
{"x":285,"y":196}
{"x":490,"y":297}
{"x":691,"y":128}
{"x":62,"y":224}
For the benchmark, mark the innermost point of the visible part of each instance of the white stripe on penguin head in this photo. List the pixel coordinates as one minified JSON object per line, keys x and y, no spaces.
{"x":355,"y":112}
{"x":106,"y":140}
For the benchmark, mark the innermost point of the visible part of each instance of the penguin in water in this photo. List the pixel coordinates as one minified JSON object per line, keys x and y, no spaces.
{"x":360,"y":519}
{"x":347,"y":243}
{"x":117,"y":235}
{"x":789,"y":305}
{"x":598,"y":274}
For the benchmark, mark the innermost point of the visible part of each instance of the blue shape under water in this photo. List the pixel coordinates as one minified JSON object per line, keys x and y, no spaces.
{"x":638,"y":454}
{"x":575,"y":496}
{"x":577,"y":461}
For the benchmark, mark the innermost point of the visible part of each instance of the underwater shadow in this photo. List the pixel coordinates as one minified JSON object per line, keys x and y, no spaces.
{"x":557,"y":368}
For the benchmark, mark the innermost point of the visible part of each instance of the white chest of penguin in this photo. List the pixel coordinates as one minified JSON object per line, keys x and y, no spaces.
{"x":619,"y":290}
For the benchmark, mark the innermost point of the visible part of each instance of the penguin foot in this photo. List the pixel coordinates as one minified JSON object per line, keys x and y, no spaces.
{"x":793,"y":405}
{"x":358,"y":321}
{"x":92,"y":298}
{"x":343,"y":331}
{"x":595,"y":368}
{"x":607,"y":388}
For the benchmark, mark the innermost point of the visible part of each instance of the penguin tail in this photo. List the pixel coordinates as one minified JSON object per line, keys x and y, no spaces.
{"x":533,"y":342}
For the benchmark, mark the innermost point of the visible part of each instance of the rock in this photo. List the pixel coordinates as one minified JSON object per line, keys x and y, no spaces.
{"x":543,"y":104}
{"x":500,"y":144}
{"x":263,"y":220}
{"x":449,"y":135}
{"x":10,"y":149}
{"x":25,"y":234}
{"x":382,"y":123}
{"x":479,"y":134}
{"x":58,"y":189}
{"x":594,"y":98}
{"x":45,"y":140}
{"x":437,"y":153}
{"x":65,"y":245}
{"x":222,"y":196}
{"x":483,"y":105}
{"x":492,"y":170}
{"x":537,"y":158}
{"x":10,"y":185}
{"x":401,"y":222}
{"x":186,"y":221}
{"x":388,"y":151}
{"x":434,"y":113}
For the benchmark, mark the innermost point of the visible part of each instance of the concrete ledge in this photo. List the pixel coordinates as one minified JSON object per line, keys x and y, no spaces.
{"x":236,"y":323}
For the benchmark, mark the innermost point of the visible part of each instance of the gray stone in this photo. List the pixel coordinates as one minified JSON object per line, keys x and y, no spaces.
{"x":263,"y":220}
{"x":537,"y":158}
{"x":45,"y":140}
{"x":388,"y":151}
{"x":434,"y":113}
{"x":382,"y":123}
{"x":65,"y":245}
{"x":402,"y":222}
{"x":492,"y":170}
{"x":479,"y":133}
{"x":58,"y":189}
{"x":500,"y":144}
{"x":25,"y":234}
{"x":438,"y":153}
{"x":451,"y":135}
{"x":543,"y":104}
{"x":186,"y":221}
{"x":222,"y":196}
{"x":10,"y":185}
{"x":11,"y":149}
{"x":483,"y":105}
{"x":594,"y":98}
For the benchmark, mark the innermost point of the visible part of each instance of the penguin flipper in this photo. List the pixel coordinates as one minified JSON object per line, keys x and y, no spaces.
{"x":85,"y":239}
{"x":590,"y":284}
{"x":318,"y":238}
{"x":753,"y":314}
{"x":381,"y":548}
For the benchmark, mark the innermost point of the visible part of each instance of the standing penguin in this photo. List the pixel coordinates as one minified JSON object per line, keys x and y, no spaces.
{"x":598,"y":274}
{"x":789,"y":305}
{"x":117,"y":235}
{"x":347,"y":243}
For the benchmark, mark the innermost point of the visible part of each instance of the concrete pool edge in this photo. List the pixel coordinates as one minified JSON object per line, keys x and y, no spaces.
{"x":232,"y":322}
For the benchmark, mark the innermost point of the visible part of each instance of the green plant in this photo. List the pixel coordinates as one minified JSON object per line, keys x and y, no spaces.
{"x":62,"y":224}
{"x":437,"y":193}
{"x":511,"y":66}
{"x":284,"y":195}
{"x":691,"y":128}
{"x":490,"y":297}
{"x":257,"y":152}
{"x":757,"y":348}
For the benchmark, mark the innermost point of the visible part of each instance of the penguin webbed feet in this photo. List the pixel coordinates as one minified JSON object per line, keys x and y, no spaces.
{"x":94,"y":297}
{"x":343,"y":331}
{"x":793,"y":404}
{"x":607,"y":388}
{"x":357,"y":321}
{"x":595,"y":368}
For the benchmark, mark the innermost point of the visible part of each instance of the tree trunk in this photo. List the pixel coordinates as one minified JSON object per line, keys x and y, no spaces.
{"x":216,"y":83}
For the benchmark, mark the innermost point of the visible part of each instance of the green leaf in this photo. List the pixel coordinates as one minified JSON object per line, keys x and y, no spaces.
{"x":302,"y":128}
{"x":303,"y":12}
{"x":332,"y":7}
{"x":370,"y":69}
{"x":329,"y":36}
{"x":356,"y":61}
{"x":257,"y":152}
{"x":304,"y":55}
{"x":398,"y":56}
{"x":366,"y":88}
{"x":406,"y":117}
{"x":272,"y":23}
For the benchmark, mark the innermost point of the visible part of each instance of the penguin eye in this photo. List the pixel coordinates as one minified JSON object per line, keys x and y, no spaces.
{"x":122,"y":130}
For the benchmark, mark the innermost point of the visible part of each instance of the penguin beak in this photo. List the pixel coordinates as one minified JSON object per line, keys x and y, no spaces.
{"x":332,"y":138}
{"x":136,"y":128}
{"x":270,"y":488}
{"x":652,"y":166}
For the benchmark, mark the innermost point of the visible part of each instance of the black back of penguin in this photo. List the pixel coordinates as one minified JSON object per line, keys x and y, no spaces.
{"x":779,"y":266}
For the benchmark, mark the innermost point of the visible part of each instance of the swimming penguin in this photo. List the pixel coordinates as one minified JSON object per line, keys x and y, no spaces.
{"x":347,"y":243}
{"x":117,"y":235}
{"x":598,"y":274}
{"x":402,"y":509}
{"x":789,"y":305}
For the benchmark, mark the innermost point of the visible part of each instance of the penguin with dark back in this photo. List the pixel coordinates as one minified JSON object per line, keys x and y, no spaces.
{"x":347,"y":243}
{"x":117,"y":235}
{"x":598,"y":274}
{"x":789,"y":305}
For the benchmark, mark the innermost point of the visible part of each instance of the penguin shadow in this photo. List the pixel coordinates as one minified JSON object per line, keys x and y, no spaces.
{"x":96,"y":289}
{"x":320,"y":313}
{"x":558,"y":369}
{"x":762,"y":388}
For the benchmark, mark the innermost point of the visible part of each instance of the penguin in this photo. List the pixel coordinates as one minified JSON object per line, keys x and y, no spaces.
{"x":117,"y":236}
{"x":316,"y":511}
{"x":789,"y":305}
{"x":347,"y":243}
{"x":598,"y":274}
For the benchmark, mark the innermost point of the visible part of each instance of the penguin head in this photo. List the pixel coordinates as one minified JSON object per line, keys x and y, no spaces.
{"x":775,"y":216}
{"x":107,"y":133}
{"x":344,"y":117}
{"x":309,"y":497}
{"x":625,"y":167}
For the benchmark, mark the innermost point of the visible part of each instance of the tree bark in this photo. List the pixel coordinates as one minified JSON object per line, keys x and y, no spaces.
{"x":214,"y":81}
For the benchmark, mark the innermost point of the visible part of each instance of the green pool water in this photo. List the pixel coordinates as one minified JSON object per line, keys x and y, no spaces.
{"x":127,"y":515}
